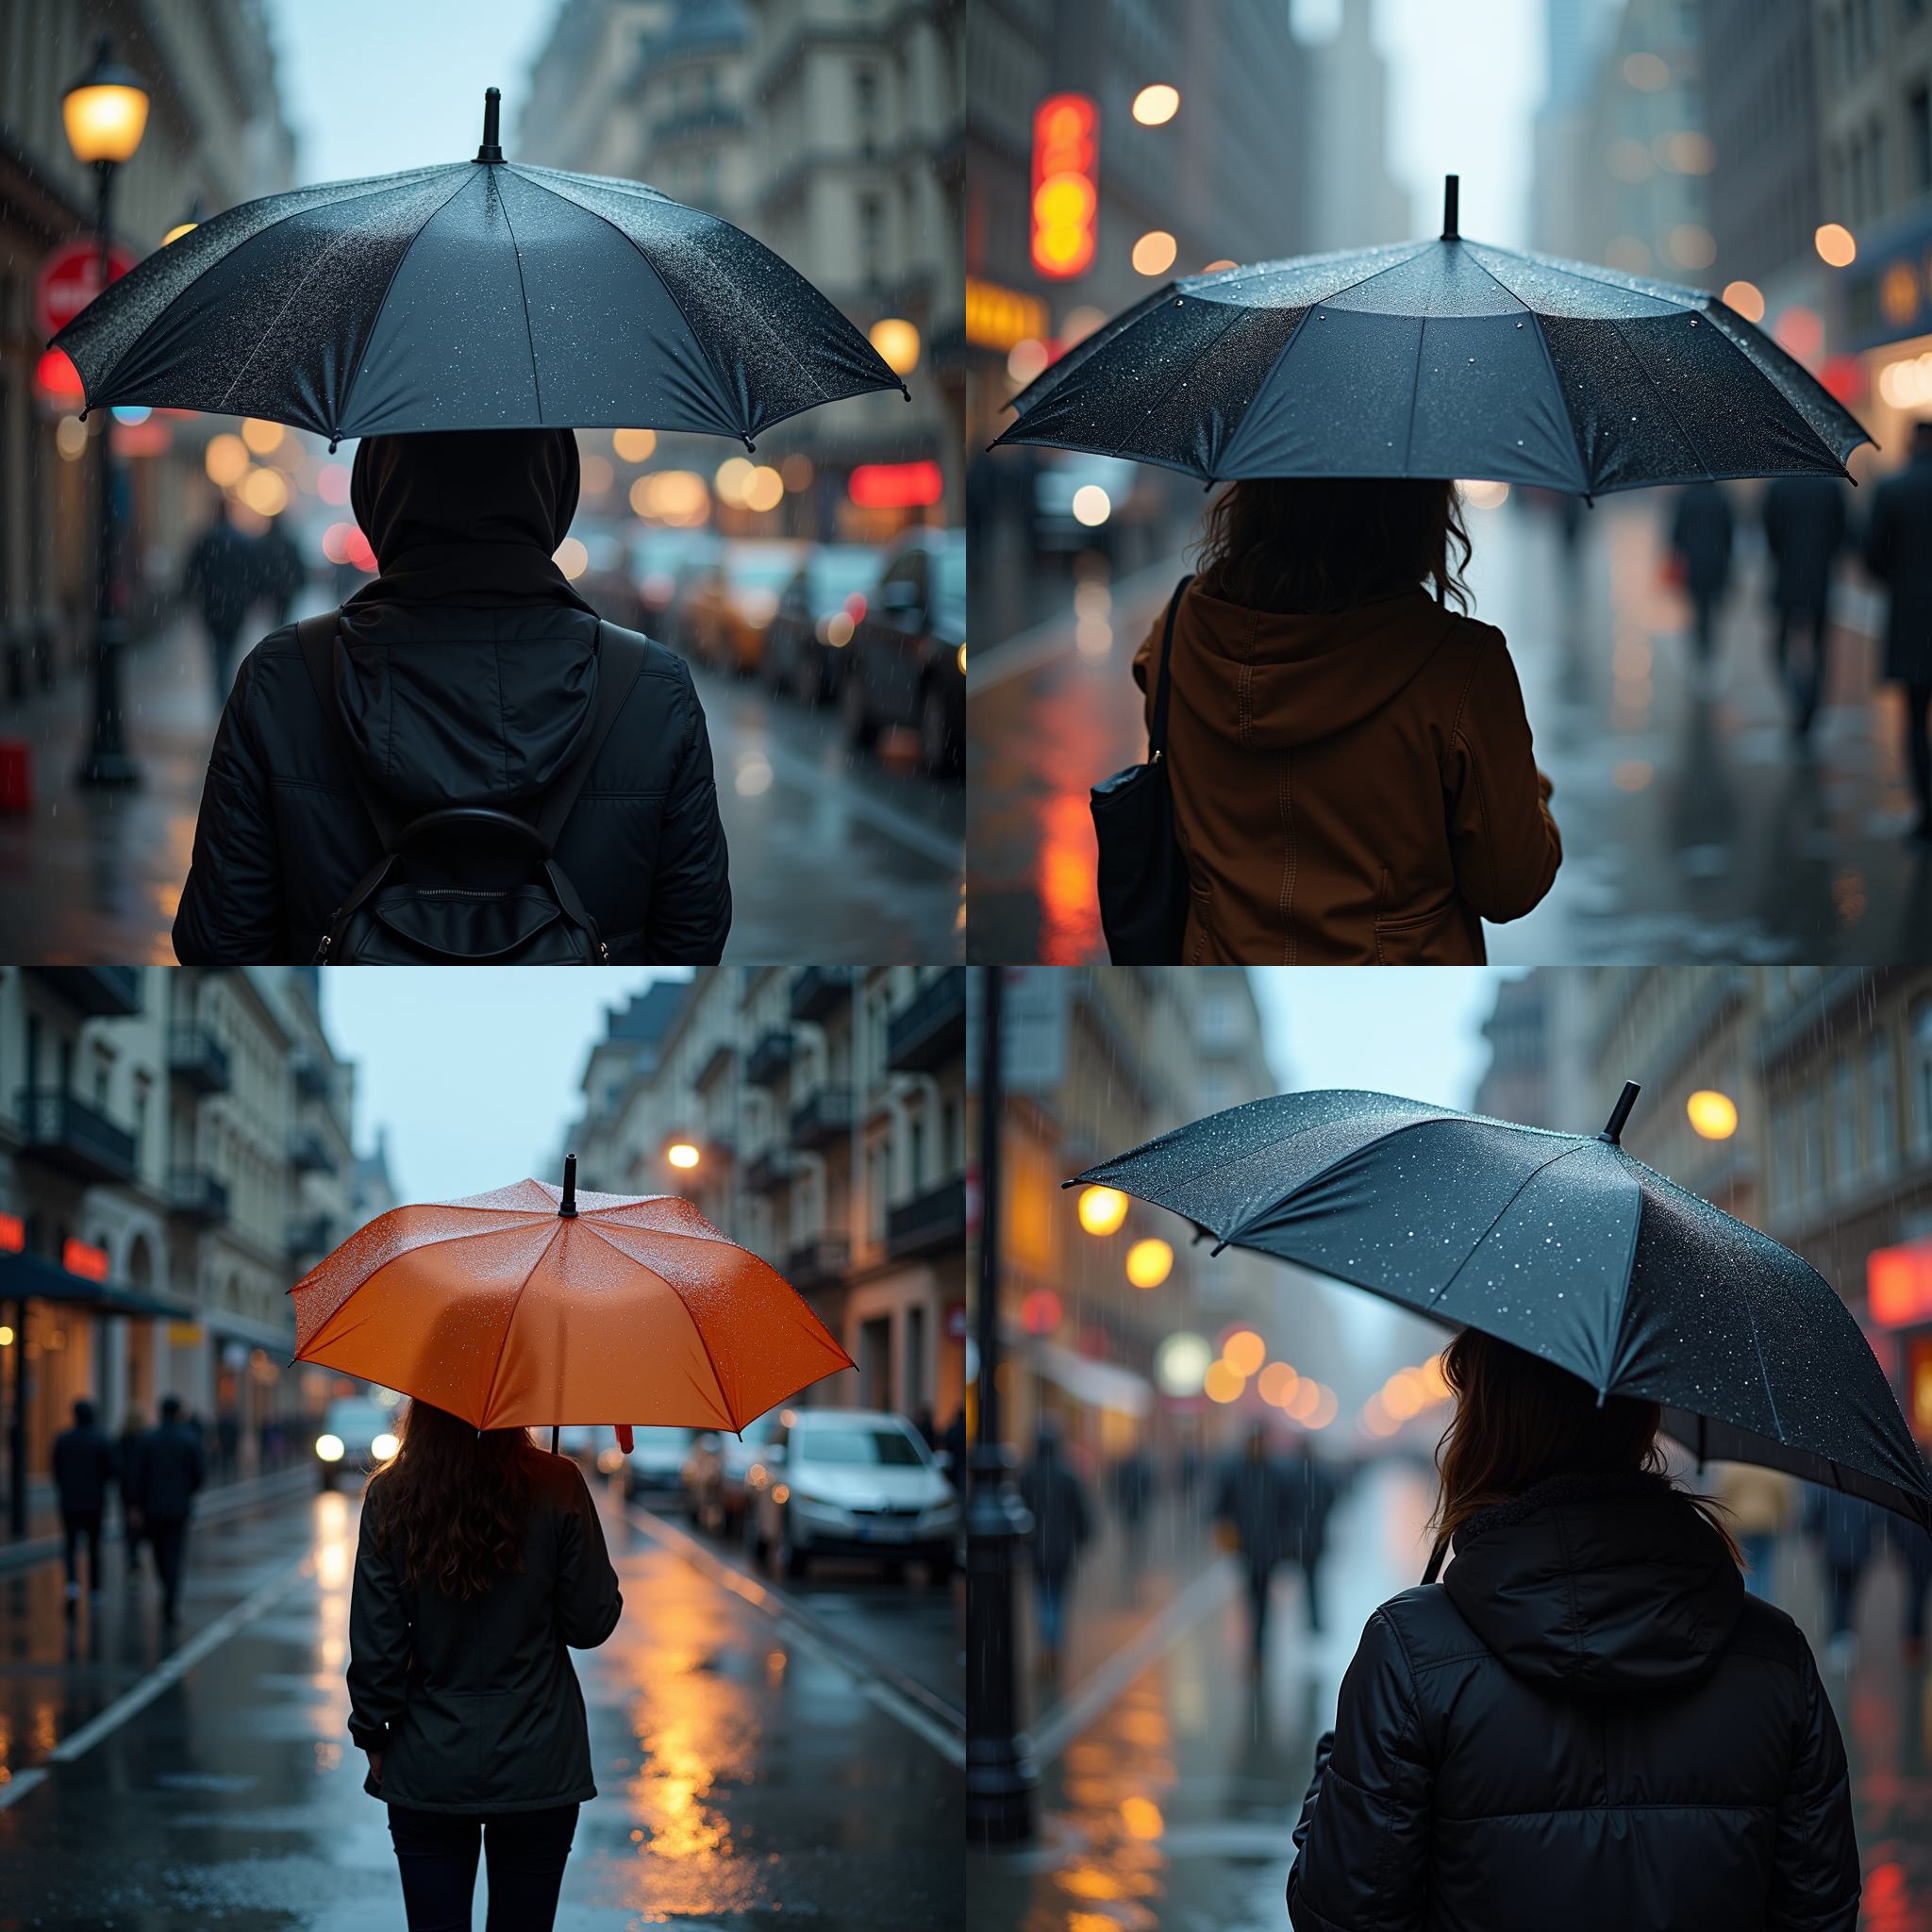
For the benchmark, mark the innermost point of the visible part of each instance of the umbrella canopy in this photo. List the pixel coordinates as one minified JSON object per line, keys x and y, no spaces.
{"x":483,"y":294}
{"x":1440,"y":357}
{"x":1564,"y":1245}
{"x":535,"y":1304}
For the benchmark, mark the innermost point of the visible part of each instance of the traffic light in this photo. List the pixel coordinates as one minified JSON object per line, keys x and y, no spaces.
{"x":1066,"y":195}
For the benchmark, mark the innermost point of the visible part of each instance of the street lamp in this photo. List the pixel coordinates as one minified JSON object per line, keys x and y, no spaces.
{"x":682,"y":1154}
{"x":106,"y":114}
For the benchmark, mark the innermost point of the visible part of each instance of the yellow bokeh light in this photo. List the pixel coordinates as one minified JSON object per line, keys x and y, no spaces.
{"x":764,"y":489}
{"x":265,"y":492}
{"x":682,"y":1154}
{"x":1835,"y":244}
{"x":1153,"y":253}
{"x":634,"y":445}
{"x":1149,"y":1263}
{"x":571,"y":557}
{"x":1277,"y":1385}
{"x":225,"y":459}
{"x":733,"y":473}
{"x":1141,"y":1818}
{"x":1101,"y":1210}
{"x":179,"y":230}
{"x":1220,"y":1383}
{"x":1747,"y":298}
{"x":1157,"y":103}
{"x":104,"y":122}
{"x":897,"y":342}
{"x":1244,"y":1352}
{"x":1711,"y":1114}
{"x":260,"y":435}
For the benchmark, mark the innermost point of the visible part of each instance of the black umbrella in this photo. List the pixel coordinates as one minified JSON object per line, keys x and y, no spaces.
{"x":483,"y":294}
{"x":1564,"y":1245}
{"x":1439,"y":357}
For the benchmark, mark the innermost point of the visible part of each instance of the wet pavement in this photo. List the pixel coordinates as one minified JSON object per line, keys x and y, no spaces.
{"x":1693,"y":828}
{"x":1171,"y":1779}
{"x":838,"y":857}
{"x":754,"y":1769}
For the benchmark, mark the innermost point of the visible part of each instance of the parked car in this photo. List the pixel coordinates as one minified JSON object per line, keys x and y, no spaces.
{"x":715,"y":1469}
{"x":1058,"y":484}
{"x":733,"y":602}
{"x":818,"y":613}
{"x":906,"y":662}
{"x":850,"y":1482}
{"x":356,"y":1432}
{"x":663,"y":565}
{"x":656,"y":1463}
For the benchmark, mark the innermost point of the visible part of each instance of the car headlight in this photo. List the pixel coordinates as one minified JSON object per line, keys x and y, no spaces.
{"x":384,"y":1446}
{"x":819,"y":1511}
{"x":941,"y":1516}
{"x":329,"y":1448}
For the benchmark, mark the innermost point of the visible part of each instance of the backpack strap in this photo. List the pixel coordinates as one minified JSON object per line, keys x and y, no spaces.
{"x":317,"y":636}
{"x":1157,"y":728}
{"x":620,"y":663}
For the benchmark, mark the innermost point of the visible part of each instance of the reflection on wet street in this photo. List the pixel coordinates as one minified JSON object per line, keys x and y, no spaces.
{"x":859,"y":850}
{"x":1170,"y":1778}
{"x":1693,"y":827}
{"x":749,"y":1774}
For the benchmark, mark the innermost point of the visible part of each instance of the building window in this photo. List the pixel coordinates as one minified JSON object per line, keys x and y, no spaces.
{"x":1845,"y":1124}
{"x":1881,"y":1103}
{"x":1919,"y":1063}
{"x":1919,"y":136}
{"x":872,"y":226}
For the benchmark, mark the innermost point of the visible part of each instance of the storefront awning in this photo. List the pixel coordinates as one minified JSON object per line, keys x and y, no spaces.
{"x":23,"y":1275}
{"x":1099,"y":1385}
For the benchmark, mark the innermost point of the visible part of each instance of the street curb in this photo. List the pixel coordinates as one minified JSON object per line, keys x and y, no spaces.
{"x":231,"y":1500}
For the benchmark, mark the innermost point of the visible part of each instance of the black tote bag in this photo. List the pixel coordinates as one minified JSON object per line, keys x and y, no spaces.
{"x":1142,"y":875}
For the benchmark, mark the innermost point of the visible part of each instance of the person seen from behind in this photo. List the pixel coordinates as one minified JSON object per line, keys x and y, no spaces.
{"x":1702,"y":529}
{"x":466,"y":674}
{"x":169,"y":1469}
{"x":1348,"y":753}
{"x":1062,"y":1526}
{"x":1898,"y":552}
{"x":1805,"y":523}
{"x":220,"y":581}
{"x":1587,"y":1722}
{"x":126,"y":1459}
{"x":83,"y":1468}
{"x":480,"y":1565}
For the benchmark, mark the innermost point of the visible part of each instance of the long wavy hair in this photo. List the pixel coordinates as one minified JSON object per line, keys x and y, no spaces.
{"x":1325,"y":543}
{"x":454,"y":1502}
{"x":1519,"y":1420}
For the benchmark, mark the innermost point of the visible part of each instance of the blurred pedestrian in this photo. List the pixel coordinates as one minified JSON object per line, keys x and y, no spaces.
{"x":1587,"y":1723}
{"x":953,"y":1446}
{"x":169,"y":1470}
{"x":1845,"y":1527}
{"x":1325,"y":638}
{"x":480,"y":1565}
{"x":1062,"y":1523}
{"x":227,"y":1440}
{"x":1761,"y":1505}
{"x":219,"y":579}
{"x":1701,"y":536}
{"x":1898,"y":552}
{"x":1133,"y":1492}
{"x":465,"y":674}
{"x":83,"y":1468}
{"x":126,"y":1459}
{"x":1312,"y":1493}
{"x":928,"y":1430}
{"x":280,"y":572}
{"x":1914,"y":1549}
{"x":1187,"y":1471}
{"x":1805,"y":527}
{"x":1256,"y":1508}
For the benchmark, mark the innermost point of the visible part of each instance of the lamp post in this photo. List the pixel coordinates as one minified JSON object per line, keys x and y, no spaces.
{"x":1000,"y":1777}
{"x":106,"y":114}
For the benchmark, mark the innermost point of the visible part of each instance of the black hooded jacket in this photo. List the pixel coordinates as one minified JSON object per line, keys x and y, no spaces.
{"x":465,"y":673}
{"x":1587,"y":1725}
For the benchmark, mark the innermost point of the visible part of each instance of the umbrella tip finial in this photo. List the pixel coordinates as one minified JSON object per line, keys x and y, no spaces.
{"x":567,"y":1207}
{"x":492,"y":101}
{"x":1613,"y":1130}
{"x":1452,"y":185}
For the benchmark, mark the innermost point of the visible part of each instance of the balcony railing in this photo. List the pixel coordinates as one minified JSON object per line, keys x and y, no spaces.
{"x":770,"y":1054}
{"x":62,"y":1132}
{"x":101,"y":993}
{"x":198,"y":1060}
{"x":312,"y":1080}
{"x":714,"y":1063}
{"x":823,"y":1115}
{"x":308,"y":1152}
{"x":820,"y":990}
{"x":197,"y":1196}
{"x":769,"y":1167}
{"x":929,"y":1223}
{"x":310,"y":1236}
{"x":814,"y":1263}
{"x":932,"y":1028}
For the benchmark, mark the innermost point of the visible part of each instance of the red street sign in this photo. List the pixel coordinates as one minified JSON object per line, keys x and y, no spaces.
{"x":69,"y":279}
{"x":1898,"y":1284}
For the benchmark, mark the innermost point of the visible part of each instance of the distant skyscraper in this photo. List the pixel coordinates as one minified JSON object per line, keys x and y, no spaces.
{"x":1352,"y":200}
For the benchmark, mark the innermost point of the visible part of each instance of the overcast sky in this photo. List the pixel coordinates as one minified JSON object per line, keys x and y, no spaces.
{"x":474,"y":1073}
{"x":1412,"y":1030}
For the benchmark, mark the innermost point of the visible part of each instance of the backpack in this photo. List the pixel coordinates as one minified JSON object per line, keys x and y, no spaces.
{"x":469,"y":885}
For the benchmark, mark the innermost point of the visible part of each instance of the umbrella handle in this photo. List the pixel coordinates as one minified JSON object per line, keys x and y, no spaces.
{"x":553,"y":1439}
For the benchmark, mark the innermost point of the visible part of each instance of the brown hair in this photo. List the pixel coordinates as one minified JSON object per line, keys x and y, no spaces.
{"x":1519,"y":1420}
{"x":1328,"y":543}
{"x":454,"y":1502}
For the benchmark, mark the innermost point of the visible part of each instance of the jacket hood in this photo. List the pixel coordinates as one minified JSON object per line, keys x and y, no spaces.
{"x":1597,"y":1584}
{"x":1275,"y":680}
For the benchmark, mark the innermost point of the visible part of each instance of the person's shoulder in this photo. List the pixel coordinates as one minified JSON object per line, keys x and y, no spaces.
{"x":659,"y":662}
{"x":1767,"y":1632}
{"x":556,"y":1481}
{"x":1424,"y":1626}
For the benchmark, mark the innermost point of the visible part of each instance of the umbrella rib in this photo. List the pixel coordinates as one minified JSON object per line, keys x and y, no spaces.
{"x":1515,"y":1194}
{"x":524,"y":291}
{"x":509,"y":1319}
{"x":1415,"y":389}
{"x":383,"y":183}
{"x":1180,"y":376}
{"x":1616,"y":330}
{"x":710,"y":1360}
{"x":1803,"y":422}
{"x":1686,"y":299}
{"x":375,"y":320}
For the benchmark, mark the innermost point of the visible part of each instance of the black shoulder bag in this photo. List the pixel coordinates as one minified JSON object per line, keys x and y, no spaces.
{"x":1143,"y":874}
{"x":469,"y":885}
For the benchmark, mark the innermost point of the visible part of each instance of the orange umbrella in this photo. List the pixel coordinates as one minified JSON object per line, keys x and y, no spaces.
{"x":535,"y":1305}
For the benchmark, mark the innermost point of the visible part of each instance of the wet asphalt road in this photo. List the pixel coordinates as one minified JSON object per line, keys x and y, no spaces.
{"x":1693,"y":831}
{"x":763,"y":1757}
{"x":836,"y":857}
{"x":1170,"y":1780}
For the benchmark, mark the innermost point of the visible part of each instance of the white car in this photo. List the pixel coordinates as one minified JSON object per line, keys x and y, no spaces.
{"x":655,"y":1466}
{"x":850,"y":1482}
{"x":357,"y":1433}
